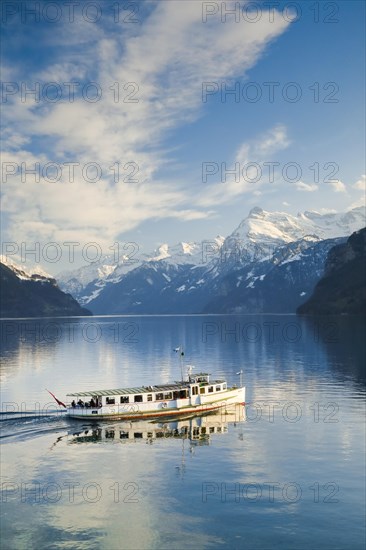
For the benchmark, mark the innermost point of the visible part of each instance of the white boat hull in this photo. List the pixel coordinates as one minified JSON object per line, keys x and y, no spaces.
{"x":202,"y":404}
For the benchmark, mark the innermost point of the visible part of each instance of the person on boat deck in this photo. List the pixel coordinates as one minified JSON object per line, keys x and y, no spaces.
{"x":81,"y":403}
{"x":92,"y":404}
{"x":73,"y":404}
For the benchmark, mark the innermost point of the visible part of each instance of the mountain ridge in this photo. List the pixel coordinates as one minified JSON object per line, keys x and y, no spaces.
{"x":270,"y":263}
{"x":266,"y":249}
{"x":342,"y":288}
{"x":255,"y":237}
{"x":32,"y":294}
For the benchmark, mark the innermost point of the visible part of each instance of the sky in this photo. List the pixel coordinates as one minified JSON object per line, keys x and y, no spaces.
{"x":167,"y":121}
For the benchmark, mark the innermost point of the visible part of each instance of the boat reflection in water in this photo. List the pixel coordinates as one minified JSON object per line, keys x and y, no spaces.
{"x":198,"y":429}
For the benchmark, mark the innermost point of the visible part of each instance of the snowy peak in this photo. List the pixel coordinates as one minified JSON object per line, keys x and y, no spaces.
{"x":34,"y":273}
{"x":256,"y":212}
{"x":32,"y":293}
{"x":254,"y":240}
{"x":85,"y":274}
{"x":161,"y":253}
{"x":180,"y":254}
{"x":334,"y":224}
{"x":107,"y":267}
{"x":272,"y":227}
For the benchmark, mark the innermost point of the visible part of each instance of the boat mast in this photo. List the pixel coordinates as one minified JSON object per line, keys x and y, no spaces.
{"x":181,"y":353}
{"x":240,"y":373}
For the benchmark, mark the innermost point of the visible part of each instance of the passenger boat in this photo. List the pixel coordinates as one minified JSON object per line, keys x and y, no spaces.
{"x":198,"y":394}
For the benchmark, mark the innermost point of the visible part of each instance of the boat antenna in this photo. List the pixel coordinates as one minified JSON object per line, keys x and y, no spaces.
{"x":181,"y":355}
{"x":240,"y":373}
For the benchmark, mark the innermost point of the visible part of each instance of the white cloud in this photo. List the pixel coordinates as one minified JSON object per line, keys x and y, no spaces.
{"x":83,"y":211}
{"x":326,"y":211}
{"x":361,"y":183}
{"x":62,"y":72}
{"x":308,"y":187}
{"x":357,"y":203}
{"x":250,"y":173}
{"x":260,"y":149}
{"x":167,"y":58}
{"x":12,"y":140}
{"x":338,"y":186}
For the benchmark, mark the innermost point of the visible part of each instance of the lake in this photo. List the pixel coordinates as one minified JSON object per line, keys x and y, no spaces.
{"x":285,"y":471}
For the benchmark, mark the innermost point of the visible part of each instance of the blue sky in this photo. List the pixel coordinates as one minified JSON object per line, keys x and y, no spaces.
{"x":161,"y":130}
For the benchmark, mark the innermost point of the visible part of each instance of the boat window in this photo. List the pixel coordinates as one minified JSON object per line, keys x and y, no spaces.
{"x":224,"y":386}
{"x":210,"y":389}
{"x":110,"y":400}
{"x":168,"y":395}
{"x":124,"y":399}
{"x":123,"y":435}
{"x":159,"y":396}
{"x":138,"y":399}
{"x":149,"y":396}
{"x":194,"y":390}
{"x":138,"y":435}
{"x":109,"y":434}
{"x":183,"y":394}
{"x":203,"y":390}
{"x":218,"y":388}
{"x":212,"y":429}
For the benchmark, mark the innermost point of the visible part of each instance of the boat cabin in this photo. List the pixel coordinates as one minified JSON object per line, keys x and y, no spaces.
{"x":198,"y":384}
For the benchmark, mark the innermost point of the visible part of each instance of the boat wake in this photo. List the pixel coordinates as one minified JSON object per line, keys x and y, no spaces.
{"x":15,"y":426}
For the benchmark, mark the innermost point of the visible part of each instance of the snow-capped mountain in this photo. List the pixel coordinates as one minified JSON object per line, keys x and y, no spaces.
{"x":261,"y":232}
{"x":87,"y":282}
{"x":26,"y":292}
{"x":275,"y":285}
{"x":182,"y":253}
{"x":191,"y":277}
{"x":25,"y":273}
{"x":94,"y":275}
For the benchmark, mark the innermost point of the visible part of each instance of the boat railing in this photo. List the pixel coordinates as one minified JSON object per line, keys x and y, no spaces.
{"x":85,"y":406}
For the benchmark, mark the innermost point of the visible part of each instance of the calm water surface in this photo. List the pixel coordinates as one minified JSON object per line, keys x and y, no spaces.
{"x":286,"y":471}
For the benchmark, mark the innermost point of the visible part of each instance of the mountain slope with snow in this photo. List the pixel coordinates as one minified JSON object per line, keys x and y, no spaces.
{"x":29,"y":293}
{"x":23,"y":272}
{"x":271,"y":229}
{"x":192,"y":277}
{"x":87,"y":282}
{"x":276,"y":285}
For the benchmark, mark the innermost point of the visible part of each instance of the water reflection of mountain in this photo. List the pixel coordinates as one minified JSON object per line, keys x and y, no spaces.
{"x":343,"y":338}
{"x":36,"y":334}
{"x":197,"y":429}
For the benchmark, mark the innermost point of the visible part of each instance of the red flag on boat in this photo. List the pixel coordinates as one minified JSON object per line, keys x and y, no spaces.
{"x":57,"y":400}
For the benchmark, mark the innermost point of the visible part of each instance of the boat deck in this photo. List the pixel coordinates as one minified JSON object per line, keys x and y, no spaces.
{"x":128,"y":391}
{"x":142,"y":389}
